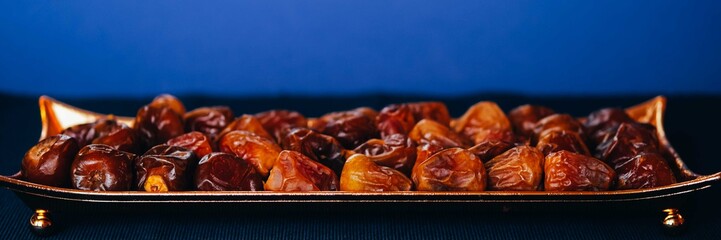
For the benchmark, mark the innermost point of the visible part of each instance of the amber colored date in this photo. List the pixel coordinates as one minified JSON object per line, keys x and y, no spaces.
{"x":559,"y":122}
{"x":165,"y":168}
{"x":293,"y":171}
{"x":208,"y":120}
{"x":279,"y":122}
{"x":362,"y":174}
{"x":436,"y":111}
{"x":489,"y":149}
{"x":226,"y":172}
{"x":260,"y":152}
{"x":395,"y":119}
{"x":524,"y":118}
{"x":518,"y":169}
{"x":100,"y":167}
{"x":193,"y":141}
{"x":645,"y":170}
{"x":453,"y":169}
{"x":569,"y":171}
{"x":319,"y":147}
{"x":395,"y":151}
{"x":428,"y":131}
{"x":558,"y":140}
{"x":484,"y":121}
{"x":48,"y":162}
{"x":350,"y":128}
{"x":246,"y":123}
{"x":168,"y":101}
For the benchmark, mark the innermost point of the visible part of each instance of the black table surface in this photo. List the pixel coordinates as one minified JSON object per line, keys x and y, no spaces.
{"x":691,"y":125}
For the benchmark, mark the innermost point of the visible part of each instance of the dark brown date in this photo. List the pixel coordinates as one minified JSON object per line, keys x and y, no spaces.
{"x":48,"y":162}
{"x":208,"y":120}
{"x":193,"y":141}
{"x":524,"y":118}
{"x":86,"y":133}
{"x":604,"y":122}
{"x":169,"y":101}
{"x":293,"y":171}
{"x":555,"y":141}
{"x":436,"y":111}
{"x":319,"y":147}
{"x":350,"y":128}
{"x":100,"y":167}
{"x":629,"y":140}
{"x":395,"y":119}
{"x":395,"y":151}
{"x":484,"y":121}
{"x":125,"y":139}
{"x":362,"y":174}
{"x":645,"y":170}
{"x":559,"y":122}
{"x":226,"y":172}
{"x":279,"y":122}
{"x":165,"y":168}
{"x":247,"y":123}
{"x":428,"y":131}
{"x":157,"y":125}
{"x":453,"y":169}
{"x":518,"y":169}
{"x":489,"y":149}
{"x":258,"y":151}
{"x":569,"y":171}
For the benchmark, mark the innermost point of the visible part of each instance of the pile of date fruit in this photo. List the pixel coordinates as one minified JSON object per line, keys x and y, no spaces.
{"x":404,"y":147}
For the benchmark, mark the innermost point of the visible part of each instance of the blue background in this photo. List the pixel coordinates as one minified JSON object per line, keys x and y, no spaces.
{"x":442,"y":48}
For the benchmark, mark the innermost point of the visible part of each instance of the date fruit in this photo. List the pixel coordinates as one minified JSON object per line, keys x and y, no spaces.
{"x":124,"y":139}
{"x":484,"y":121}
{"x":157,"y":125}
{"x":555,"y":141}
{"x":629,"y":140}
{"x":489,"y":149}
{"x":100,"y":167}
{"x":604,"y":122}
{"x":48,"y":162}
{"x":294,"y":171}
{"x":208,"y":120}
{"x":258,"y":151}
{"x":168,"y":101}
{"x":362,"y":174}
{"x":350,"y":128}
{"x":86,"y":133}
{"x":193,"y":141}
{"x":279,"y":122}
{"x":645,"y":170}
{"x":395,"y":151}
{"x":165,"y":168}
{"x":559,"y":122}
{"x":321,"y":148}
{"x":569,"y":171}
{"x":428,"y":131}
{"x":518,"y":169}
{"x":436,"y":111}
{"x":453,"y":169}
{"x":226,"y":172}
{"x":246,"y":123}
{"x":524,"y":118}
{"x":395,"y":119}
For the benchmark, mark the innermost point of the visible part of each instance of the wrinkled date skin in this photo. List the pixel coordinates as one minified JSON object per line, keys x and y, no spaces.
{"x":484,"y":121}
{"x":294,"y":171}
{"x":208,"y":120}
{"x":279,"y":122}
{"x":86,"y":133}
{"x":559,"y":122}
{"x":350,"y":128}
{"x":395,"y":151}
{"x":48,"y":162}
{"x":158,"y":125}
{"x":453,"y":169}
{"x":436,"y":111}
{"x":629,"y":140}
{"x":165,"y":168}
{"x":645,"y":170}
{"x":193,"y":141}
{"x":489,"y":149}
{"x":568,"y":171}
{"x":555,"y":141}
{"x":423,"y":152}
{"x":100,"y":167}
{"x":247,"y":123}
{"x":362,"y":174}
{"x":524,"y":118}
{"x":125,"y":139}
{"x":168,"y":101}
{"x":395,"y":119}
{"x":518,"y":169}
{"x":428,"y":131}
{"x":226,"y":172}
{"x":258,"y":151}
{"x":604,"y":122}
{"x":321,"y":148}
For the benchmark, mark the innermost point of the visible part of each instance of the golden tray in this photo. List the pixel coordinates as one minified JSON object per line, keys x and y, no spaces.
{"x":57,"y":116}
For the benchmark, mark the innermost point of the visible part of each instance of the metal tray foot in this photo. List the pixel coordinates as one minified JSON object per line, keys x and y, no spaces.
{"x":40,"y":223}
{"x":673,"y":223}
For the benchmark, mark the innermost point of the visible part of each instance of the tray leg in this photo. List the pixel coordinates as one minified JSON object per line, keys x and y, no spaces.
{"x":40,"y":223}
{"x":673,"y":222}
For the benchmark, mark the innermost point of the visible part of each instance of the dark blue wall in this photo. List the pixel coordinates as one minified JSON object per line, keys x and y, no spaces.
{"x":140,"y":48}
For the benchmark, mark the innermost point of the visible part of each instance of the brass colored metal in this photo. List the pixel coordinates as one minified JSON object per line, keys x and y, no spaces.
{"x":673,"y":222}
{"x":40,"y":223}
